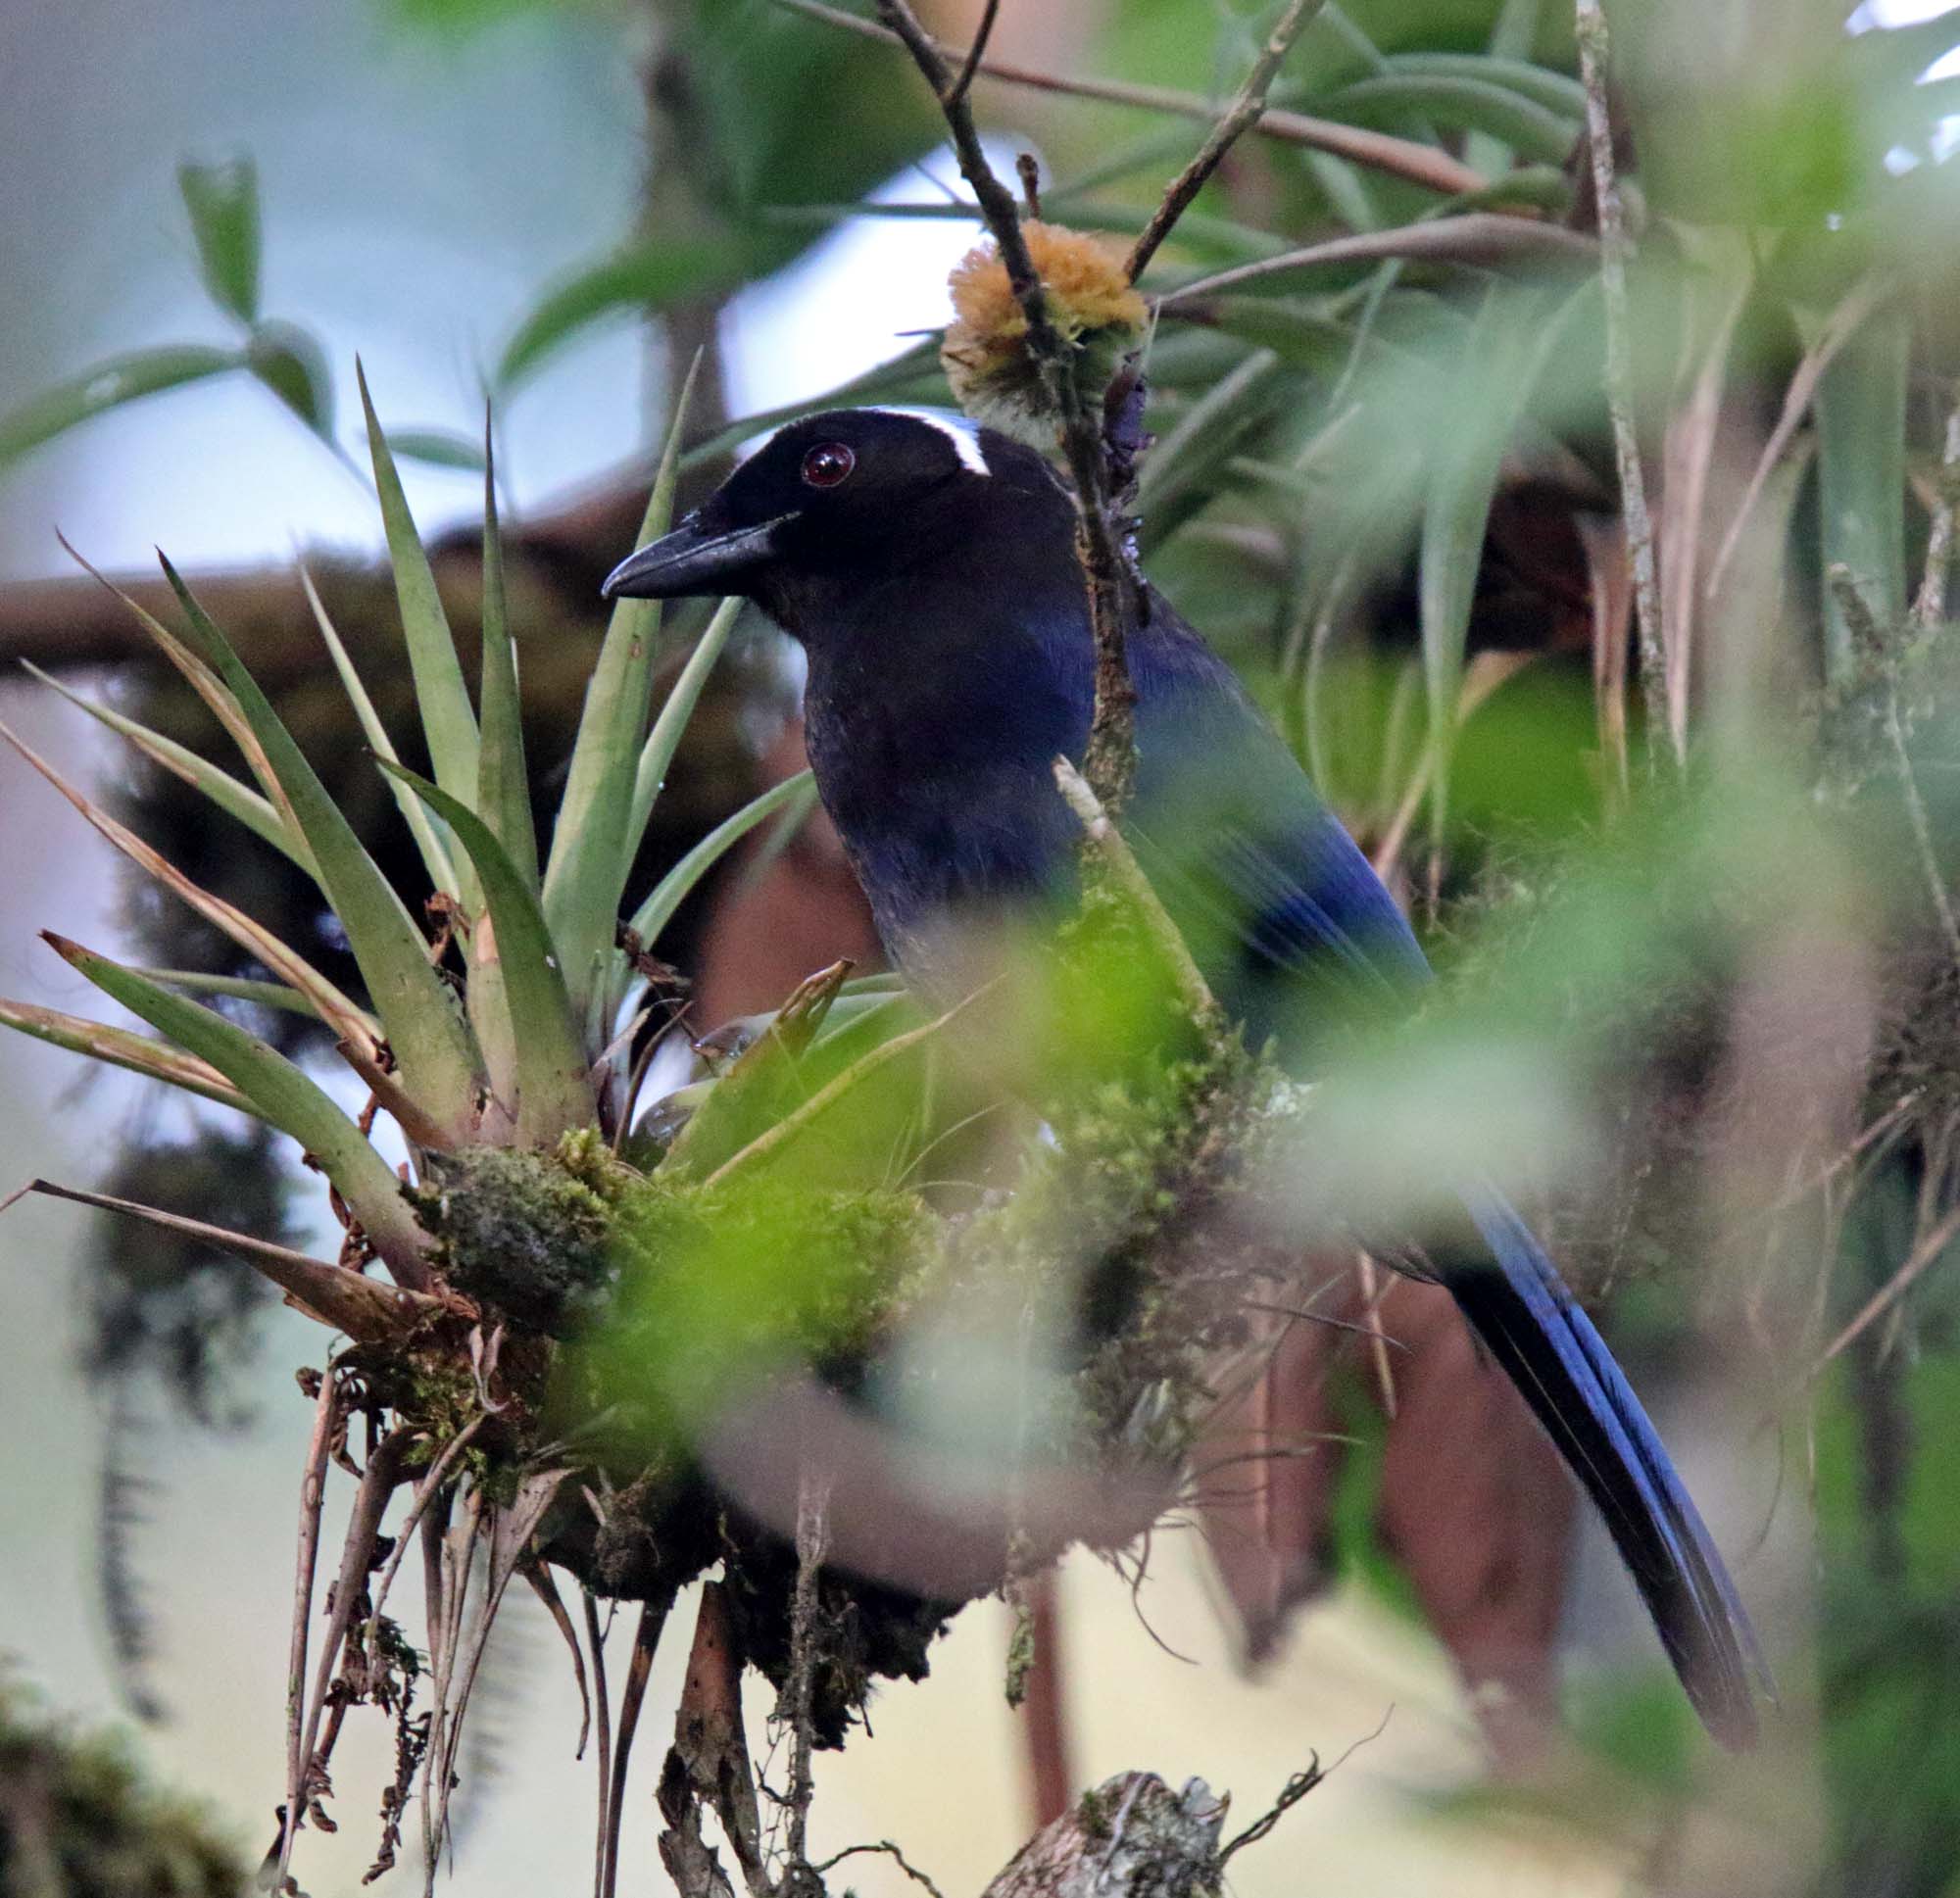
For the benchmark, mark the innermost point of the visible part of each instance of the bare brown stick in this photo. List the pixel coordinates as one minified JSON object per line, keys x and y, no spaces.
{"x":813,"y":1541}
{"x":975,"y":52}
{"x":891,"y":1851}
{"x":312,"y":1495}
{"x":1402,"y":158}
{"x":546,"y":1589}
{"x":1112,"y":754}
{"x":1476,"y":237}
{"x":1880,"y":1301}
{"x":1614,"y":249}
{"x":424,"y":1494}
{"x":594,"y":1640}
{"x":1242,"y":114}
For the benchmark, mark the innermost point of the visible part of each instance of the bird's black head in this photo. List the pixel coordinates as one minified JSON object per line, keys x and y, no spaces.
{"x":847,"y":498}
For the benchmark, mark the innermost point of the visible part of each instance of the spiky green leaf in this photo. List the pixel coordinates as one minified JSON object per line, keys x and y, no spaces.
{"x":794,"y":796}
{"x":431,"y":1043}
{"x":222,"y":200}
{"x":120,"y":1049}
{"x":656,"y":755}
{"x":280,"y":1093}
{"x":440,"y":694}
{"x":108,"y":385}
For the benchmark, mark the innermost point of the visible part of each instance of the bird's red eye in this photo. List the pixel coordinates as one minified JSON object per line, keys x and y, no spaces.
{"x":828,"y":464}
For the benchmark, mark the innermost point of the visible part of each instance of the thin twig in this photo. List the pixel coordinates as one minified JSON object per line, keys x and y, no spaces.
{"x":424,"y":1494}
{"x":886,"y":1846}
{"x":313,"y":1494}
{"x":1889,"y":1294}
{"x":975,"y":52}
{"x":1111,"y":750}
{"x":1474,"y":237}
{"x":594,"y":1640}
{"x":1243,"y":113}
{"x":1403,"y":158}
{"x":1296,"y":1789}
{"x":1614,"y":249}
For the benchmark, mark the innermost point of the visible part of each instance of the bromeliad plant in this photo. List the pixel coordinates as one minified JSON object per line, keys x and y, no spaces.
{"x":520,"y":1024}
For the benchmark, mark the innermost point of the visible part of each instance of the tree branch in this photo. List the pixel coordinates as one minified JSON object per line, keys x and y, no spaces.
{"x":1402,"y":158}
{"x":1242,"y":114}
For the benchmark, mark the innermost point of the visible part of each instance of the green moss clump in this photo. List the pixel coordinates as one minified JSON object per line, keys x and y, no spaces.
{"x":528,"y":1234}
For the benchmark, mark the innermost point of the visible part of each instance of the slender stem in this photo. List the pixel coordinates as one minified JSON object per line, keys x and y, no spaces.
{"x":1242,"y":114}
{"x":1615,"y":248}
{"x":313,"y":1494}
{"x":813,"y":1541}
{"x":1402,"y":158}
{"x":975,"y":52}
{"x":1929,"y":608}
{"x":1106,"y":573}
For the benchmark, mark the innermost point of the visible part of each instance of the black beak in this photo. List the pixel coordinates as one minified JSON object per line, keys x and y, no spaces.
{"x":694,"y":559}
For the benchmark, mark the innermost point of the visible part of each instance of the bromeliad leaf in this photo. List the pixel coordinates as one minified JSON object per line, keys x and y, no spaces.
{"x":252,"y":810}
{"x":223,"y":205}
{"x":664,"y":739}
{"x":502,"y":781}
{"x":447,"y":719}
{"x":434,"y":854}
{"x":348,"y":1022}
{"x":438,"y":1059}
{"x":153,"y":1060}
{"x":554,"y":1085}
{"x":439,"y":447}
{"x":280,"y":1093}
{"x":586,"y":873}
{"x":795,"y":795}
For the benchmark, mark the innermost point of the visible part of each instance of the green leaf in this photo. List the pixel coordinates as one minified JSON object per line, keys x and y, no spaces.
{"x":795,"y":795}
{"x":646,"y":278}
{"x":444,"y":701}
{"x":1557,"y":93}
{"x":291,"y":364}
{"x":502,"y":781}
{"x":440,"y":447}
{"x":1496,"y":379}
{"x":139,"y":1053}
{"x":1470,"y":105}
{"x":256,"y":813}
{"x":585,"y":875}
{"x":434,"y":854}
{"x":656,"y":755}
{"x":266,"y":995}
{"x":108,"y":385}
{"x":913,"y":372}
{"x":553,"y":1083}
{"x":223,"y":205}
{"x":1861,"y":432}
{"x":281,"y":1094}
{"x":438,"y":1059}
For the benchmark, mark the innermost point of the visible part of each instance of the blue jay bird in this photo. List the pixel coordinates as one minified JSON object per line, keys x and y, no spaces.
{"x":927,"y":567}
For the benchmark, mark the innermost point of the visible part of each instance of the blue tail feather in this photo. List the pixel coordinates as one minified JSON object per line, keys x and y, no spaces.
{"x":1518,"y":1306}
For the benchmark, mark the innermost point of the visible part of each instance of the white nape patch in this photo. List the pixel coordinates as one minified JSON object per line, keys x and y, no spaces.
{"x":959,"y":429}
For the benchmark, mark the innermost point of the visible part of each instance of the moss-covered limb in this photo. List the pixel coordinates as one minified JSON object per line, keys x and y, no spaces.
{"x":1129,"y":1837}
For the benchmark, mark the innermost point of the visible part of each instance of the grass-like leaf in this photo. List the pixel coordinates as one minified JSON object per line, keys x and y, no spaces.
{"x":108,"y":385}
{"x":438,"y":1059}
{"x":586,"y":874}
{"x":554,"y":1086}
{"x":122,"y":1049}
{"x":793,"y":795}
{"x":434,"y":852}
{"x":282,"y":1095}
{"x":350,"y":1023}
{"x":440,"y":694}
{"x":291,"y":364}
{"x":240,"y":800}
{"x":664,"y":739}
{"x":1460,"y":102}
{"x":266,"y":995}
{"x":439,"y":447}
